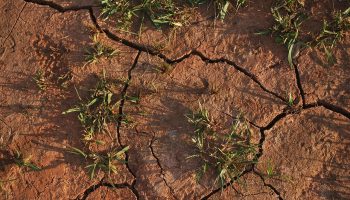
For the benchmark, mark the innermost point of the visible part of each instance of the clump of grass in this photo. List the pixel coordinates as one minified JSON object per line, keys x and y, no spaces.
{"x":121,"y":10}
{"x":290,"y":99}
{"x":222,"y":6}
{"x":160,"y":12}
{"x":133,"y":99}
{"x":107,"y":162}
{"x":228,"y":154}
{"x":24,"y":162}
{"x":40,"y":80}
{"x":288,"y":17}
{"x":197,"y":2}
{"x":98,"y":51}
{"x":270,"y":170}
{"x":99,"y":110}
{"x":165,"y":12}
{"x":287,"y":25}
{"x":333,"y":32}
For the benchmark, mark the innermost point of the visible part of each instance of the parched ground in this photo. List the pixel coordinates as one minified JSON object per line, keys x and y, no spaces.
{"x":224,"y":65}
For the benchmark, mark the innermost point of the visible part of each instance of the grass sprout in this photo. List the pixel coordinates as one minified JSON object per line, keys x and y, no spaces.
{"x":25,"y":162}
{"x":99,"y":110}
{"x":97,"y":51}
{"x":222,"y":6}
{"x":290,"y":99}
{"x":107,"y":161}
{"x":332,"y":32}
{"x":159,"y":12}
{"x":228,"y":154}
{"x":165,"y":12}
{"x":122,"y":12}
{"x":288,"y":17}
{"x":40,"y":80}
{"x":270,"y":170}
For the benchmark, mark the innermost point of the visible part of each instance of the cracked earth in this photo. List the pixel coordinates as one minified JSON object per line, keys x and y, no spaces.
{"x":308,"y":143}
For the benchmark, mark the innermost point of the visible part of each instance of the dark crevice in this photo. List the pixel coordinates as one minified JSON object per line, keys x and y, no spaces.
{"x":319,"y":103}
{"x":101,"y":183}
{"x":236,"y":66}
{"x":328,"y":106}
{"x":152,"y":51}
{"x":277,"y":193}
{"x":228,"y":184}
{"x":123,"y":95}
{"x":119,"y":122}
{"x":276,"y":119}
{"x":260,"y":146}
{"x":160,"y":166}
{"x":331,"y":107}
{"x":60,"y":8}
{"x":94,"y":20}
{"x":322,"y":103}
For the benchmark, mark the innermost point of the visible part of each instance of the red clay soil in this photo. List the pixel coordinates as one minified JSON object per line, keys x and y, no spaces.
{"x":223,"y":65}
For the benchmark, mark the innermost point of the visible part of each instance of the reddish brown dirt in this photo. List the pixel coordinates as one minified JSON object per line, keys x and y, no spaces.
{"x":224,"y":65}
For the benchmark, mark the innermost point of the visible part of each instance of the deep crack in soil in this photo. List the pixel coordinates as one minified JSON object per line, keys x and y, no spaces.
{"x":160,"y":166}
{"x":278,"y":194}
{"x":102,"y":183}
{"x":119,"y":122}
{"x":123,"y":96}
{"x":60,"y":8}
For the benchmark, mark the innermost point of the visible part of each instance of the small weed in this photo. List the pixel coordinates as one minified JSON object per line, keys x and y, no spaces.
{"x":133,"y":99}
{"x":97,"y":111}
{"x":40,"y":80}
{"x":290,"y":99}
{"x":24,"y":162}
{"x":196,"y":2}
{"x":270,"y":170}
{"x":229,"y":154}
{"x":107,"y":162}
{"x":160,"y":12}
{"x":121,"y":10}
{"x":97,"y":51}
{"x":222,"y":6}
{"x":333,"y":32}
{"x":165,"y":12}
{"x":288,"y":18}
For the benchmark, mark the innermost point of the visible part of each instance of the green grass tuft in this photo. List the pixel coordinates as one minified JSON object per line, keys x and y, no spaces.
{"x":107,"y":162}
{"x":25,"y":162}
{"x":98,"y":51}
{"x":99,"y":110}
{"x":228,"y":154}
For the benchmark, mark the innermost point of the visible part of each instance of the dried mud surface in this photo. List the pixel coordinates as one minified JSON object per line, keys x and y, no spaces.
{"x":309,"y":143}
